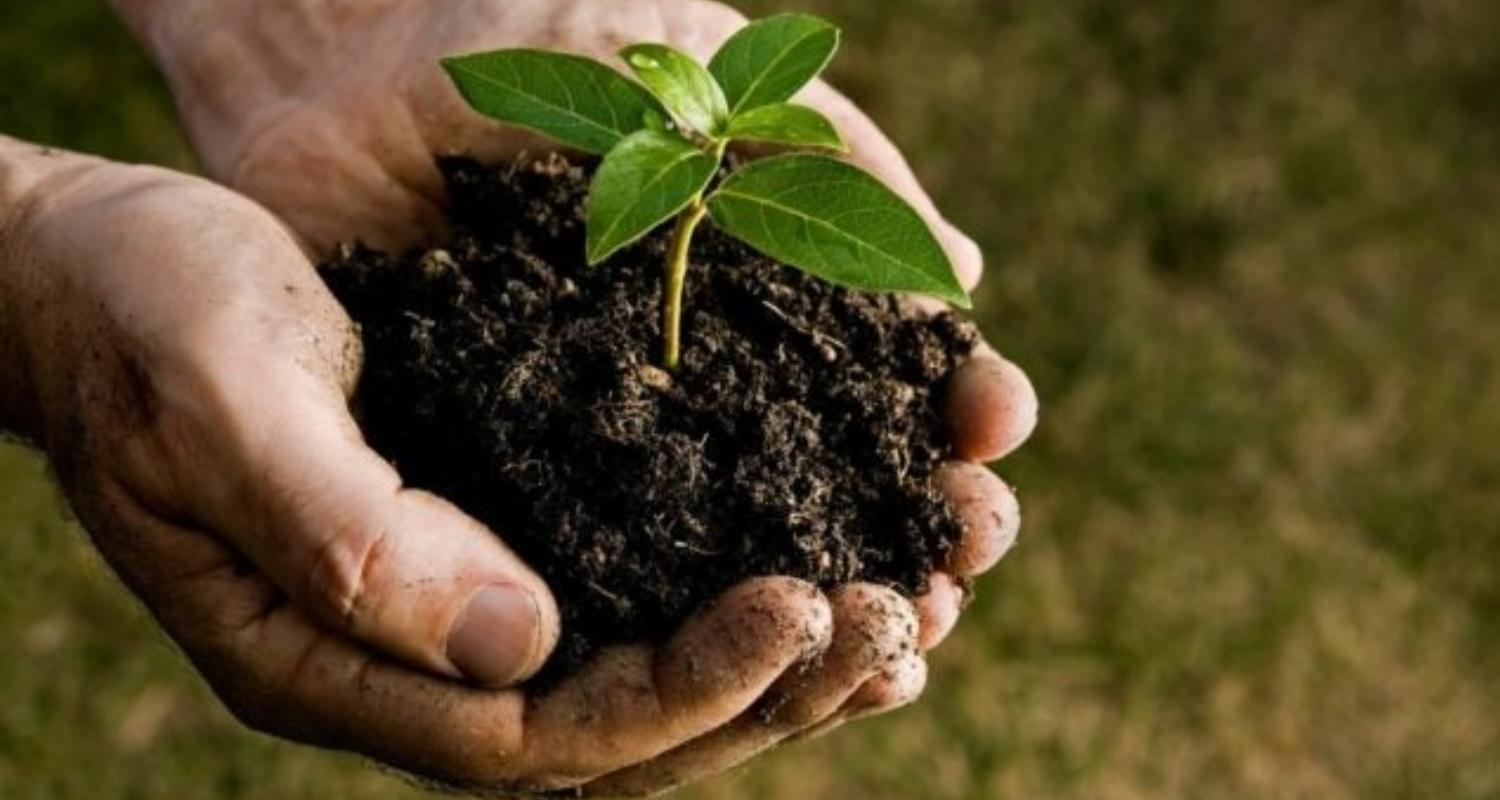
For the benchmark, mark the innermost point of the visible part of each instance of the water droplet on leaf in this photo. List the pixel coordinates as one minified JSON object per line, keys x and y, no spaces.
{"x":644,"y":61}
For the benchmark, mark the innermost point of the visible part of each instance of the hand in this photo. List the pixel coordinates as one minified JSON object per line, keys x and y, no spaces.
{"x":189,"y":376}
{"x":276,"y":110}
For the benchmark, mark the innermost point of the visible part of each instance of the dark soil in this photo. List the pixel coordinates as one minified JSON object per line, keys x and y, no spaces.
{"x":797,"y":438}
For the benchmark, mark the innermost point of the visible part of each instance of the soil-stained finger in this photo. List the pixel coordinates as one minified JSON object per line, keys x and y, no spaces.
{"x":937,"y":610}
{"x":898,"y":685}
{"x":875,"y":632}
{"x":990,"y":513}
{"x":991,"y":407}
{"x":630,"y":704}
{"x":281,"y":673}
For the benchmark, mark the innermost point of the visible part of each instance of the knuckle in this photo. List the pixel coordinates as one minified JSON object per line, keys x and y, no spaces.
{"x":342,"y":572}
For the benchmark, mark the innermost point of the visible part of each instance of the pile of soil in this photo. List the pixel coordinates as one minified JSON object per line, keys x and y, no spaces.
{"x":797,"y":437}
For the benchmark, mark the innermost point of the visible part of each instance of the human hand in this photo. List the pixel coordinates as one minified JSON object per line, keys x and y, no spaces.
{"x":276,"y":110}
{"x":187,"y":373}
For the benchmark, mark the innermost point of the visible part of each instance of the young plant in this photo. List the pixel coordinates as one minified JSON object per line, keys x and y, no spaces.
{"x":663,"y":142}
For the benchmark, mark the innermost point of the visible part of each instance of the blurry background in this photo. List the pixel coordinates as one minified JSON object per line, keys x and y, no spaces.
{"x":1250,"y":254}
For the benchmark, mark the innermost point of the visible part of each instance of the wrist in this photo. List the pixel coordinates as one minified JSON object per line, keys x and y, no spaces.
{"x":23,"y":167}
{"x":37,"y":184}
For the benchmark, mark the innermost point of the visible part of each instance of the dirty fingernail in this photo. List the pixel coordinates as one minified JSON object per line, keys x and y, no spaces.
{"x":497,"y":636}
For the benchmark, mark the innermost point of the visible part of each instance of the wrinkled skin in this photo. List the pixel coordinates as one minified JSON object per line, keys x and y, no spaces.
{"x":190,"y":378}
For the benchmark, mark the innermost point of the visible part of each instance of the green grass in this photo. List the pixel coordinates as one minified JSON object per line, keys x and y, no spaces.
{"x":1250,"y":254}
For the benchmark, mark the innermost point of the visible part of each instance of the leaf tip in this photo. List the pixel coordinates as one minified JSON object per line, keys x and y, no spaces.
{"x":952,"y":290}
{"x":459,"y":63}
{"x":597,"y":251}
{"x":594,"y":258}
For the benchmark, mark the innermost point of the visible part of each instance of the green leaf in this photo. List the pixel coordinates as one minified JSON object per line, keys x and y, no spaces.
{"x":572,"y":99}
{"x":642,"y":183}
{"x":785,"y":123}
{"x":770,"y":60}
{"x":837,"y":222}
{"x":658,"y":122}
{"x":682,"y":85}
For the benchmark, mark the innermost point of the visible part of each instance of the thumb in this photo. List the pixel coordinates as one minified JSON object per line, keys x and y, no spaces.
{"x":328,"y":521}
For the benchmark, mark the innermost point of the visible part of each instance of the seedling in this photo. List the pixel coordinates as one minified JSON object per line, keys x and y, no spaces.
{"x":663,"y":140}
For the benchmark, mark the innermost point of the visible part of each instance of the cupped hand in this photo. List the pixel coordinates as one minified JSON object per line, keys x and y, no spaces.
{"x":190,"y":376}
{"x":332,"y":120}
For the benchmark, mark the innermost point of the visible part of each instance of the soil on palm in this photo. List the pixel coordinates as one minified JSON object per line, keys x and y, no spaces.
{"x":797,"y":438}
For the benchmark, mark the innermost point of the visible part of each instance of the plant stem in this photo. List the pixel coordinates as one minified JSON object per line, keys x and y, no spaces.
{"x":677,"y":264}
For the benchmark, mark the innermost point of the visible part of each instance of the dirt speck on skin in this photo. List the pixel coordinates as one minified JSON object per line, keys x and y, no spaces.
{"x":796,"y":439}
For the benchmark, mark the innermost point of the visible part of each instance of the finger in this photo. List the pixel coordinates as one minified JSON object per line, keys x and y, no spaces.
{"x":991,"y":407}
{"x":268,"y":457}
{"x":281,"y":673}
{"x":896,"y":686}
{"x":937,"y":610}
{"x":627,"y":707}
{"x":872,"y":150}
{"x":878,"y":697}
{"x":287,"y":676}
{"x":988,"y":510}
{"x":875,"y":627}
{"x":874,"y":631}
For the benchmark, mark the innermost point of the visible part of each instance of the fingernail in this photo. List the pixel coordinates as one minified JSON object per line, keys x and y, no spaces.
{"x":496,"y":637}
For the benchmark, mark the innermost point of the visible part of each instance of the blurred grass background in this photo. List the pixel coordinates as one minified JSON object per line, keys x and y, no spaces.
{"x":1249,"y":252}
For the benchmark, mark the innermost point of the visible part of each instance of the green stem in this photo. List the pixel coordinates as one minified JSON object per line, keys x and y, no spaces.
{"x":677,"y":264}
